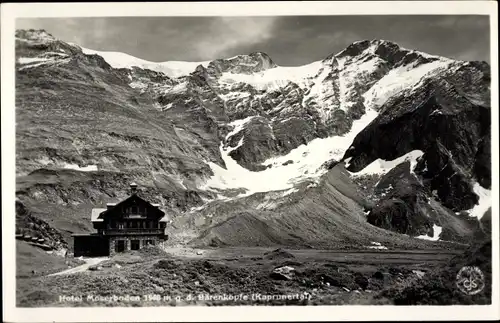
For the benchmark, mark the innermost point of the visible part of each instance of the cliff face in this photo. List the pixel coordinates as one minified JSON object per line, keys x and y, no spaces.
{"x":238,"y":149}
{"x":448,"y":121}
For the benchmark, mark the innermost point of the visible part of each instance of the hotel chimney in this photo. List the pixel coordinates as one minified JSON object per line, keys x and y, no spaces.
{"x":133,"y":189}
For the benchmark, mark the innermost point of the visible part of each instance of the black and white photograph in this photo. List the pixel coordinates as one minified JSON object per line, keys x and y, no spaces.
{"x":293,"y":159}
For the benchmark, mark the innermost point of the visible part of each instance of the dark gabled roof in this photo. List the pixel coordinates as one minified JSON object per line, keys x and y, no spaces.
{"x":85,"y":235}
{"x":94,"y":217}
{"x":126,"y":200}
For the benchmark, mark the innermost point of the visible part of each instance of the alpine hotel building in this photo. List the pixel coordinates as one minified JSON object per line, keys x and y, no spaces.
{"x":127,"y":225}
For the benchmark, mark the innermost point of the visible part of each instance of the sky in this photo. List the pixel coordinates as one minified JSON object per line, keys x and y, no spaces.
{"x":288,"y":40}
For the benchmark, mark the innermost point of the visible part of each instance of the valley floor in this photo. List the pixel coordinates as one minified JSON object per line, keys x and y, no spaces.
{"x":234,"y":276}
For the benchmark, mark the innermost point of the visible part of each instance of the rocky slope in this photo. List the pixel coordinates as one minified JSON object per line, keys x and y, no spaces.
{"x":241,"y":151}
{"x":447,"y":122}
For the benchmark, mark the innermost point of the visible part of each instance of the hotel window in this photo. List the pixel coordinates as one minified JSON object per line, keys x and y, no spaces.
{"x":135,"y":244}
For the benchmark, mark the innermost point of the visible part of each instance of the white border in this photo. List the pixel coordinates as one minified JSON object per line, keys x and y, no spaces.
{"x":258,"y":313}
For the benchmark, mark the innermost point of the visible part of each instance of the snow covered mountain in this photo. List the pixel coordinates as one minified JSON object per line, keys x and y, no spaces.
{"x":122,"y":60}
{"x":373,"y":136}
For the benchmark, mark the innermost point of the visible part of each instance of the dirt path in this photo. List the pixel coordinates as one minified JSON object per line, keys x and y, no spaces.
{"x":88,"y":262}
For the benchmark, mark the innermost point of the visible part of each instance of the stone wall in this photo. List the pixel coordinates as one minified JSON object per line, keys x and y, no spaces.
{"x":128,"y":239}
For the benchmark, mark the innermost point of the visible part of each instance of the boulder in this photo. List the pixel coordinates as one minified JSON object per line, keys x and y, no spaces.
{"x":283,"y":273}
{"x":378,"y":275}
{"x":361,"y":281}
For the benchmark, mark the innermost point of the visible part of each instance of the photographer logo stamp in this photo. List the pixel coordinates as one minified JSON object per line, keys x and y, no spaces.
{"x":470,"y":280}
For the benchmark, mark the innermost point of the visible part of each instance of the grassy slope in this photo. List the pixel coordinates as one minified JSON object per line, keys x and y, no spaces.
{"x":30,"y":258}
{"x":83,"y":112}
{"x":323,"y":275}
{"x":439,"y":286}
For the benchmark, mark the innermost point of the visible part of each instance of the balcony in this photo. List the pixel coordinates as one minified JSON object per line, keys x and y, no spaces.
{"x":134,"y":231}
{"x":134,"y":216}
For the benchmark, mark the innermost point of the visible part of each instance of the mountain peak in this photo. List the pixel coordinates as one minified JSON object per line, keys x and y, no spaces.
{"x":373,"y":45}
{"x":259,"y":54}
{"x":242,"y":64}
{"x":266,"y":60}
{"x":256,"y":56}
{"x":36,"y":35}
{"x":386,"y":50}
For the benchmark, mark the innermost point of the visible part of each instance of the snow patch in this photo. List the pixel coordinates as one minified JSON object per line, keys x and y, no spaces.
{"x":274,"y":78}
{"x":178,"y":88}
{"x":419,"y":273}
{"x":234,"y":96}
{"x":321,"y":92}
{"x":29,"y":60}
{"x":44,"y":160}
{"x":484,"y":202}
{"x":168,"y":106}
{"x":436,"y":112}
{"x":267,"y":205}
{"x":89,"y":168}
{"x":307,"y":162}
{"x":238,"y":125}
{"x":61,"y":252}
{"x":377,"y":245}
{"x":402,"y":78}
{"x":197,"y":208}
{"x":55,"y":53}
{"x":137,"y":84}
{"x":352,"y":75}
{"x":381,"y":167}
{"x":170,"y":68}
{"x":437,"y":232}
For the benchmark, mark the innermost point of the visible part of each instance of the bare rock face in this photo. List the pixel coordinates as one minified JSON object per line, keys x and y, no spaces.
{"x":262,"y":139}
{"x":407,"y":206}
{"x":401,"y":209}
{"x":482,"y":164}
{"x":444,"y":122}
{"x":258,"y":144}
{"x":241,"y":64}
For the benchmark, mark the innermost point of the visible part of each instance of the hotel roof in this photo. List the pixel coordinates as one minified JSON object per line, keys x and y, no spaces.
{"x":95,"y":215}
